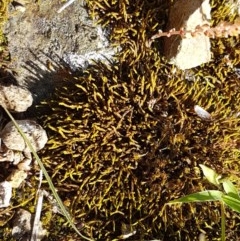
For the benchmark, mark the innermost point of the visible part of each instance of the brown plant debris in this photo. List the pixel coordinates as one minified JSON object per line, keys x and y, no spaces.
{"x":222,"y":30}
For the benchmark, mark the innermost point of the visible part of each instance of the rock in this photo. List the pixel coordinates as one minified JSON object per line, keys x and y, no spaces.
{"x":15,"y":98}
{"x":22,"y":226}
{"x":33,"y":131}
{"x":7,"y":155}
{"x":17,"y":177}
{"x":24,"y":165}
{"x":5,"y":194}
{"x":188,"y":52}
{"x":40,"y":34}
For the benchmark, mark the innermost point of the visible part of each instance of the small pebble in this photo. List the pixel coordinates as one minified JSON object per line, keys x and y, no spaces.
{"x":203,"y":114}
{"x":15,"y":98}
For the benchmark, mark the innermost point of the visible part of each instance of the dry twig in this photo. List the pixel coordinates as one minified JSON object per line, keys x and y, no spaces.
{"x":222,"y":30}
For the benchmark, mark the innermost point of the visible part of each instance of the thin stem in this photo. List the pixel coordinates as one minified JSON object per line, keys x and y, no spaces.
{"x":223,"y":222}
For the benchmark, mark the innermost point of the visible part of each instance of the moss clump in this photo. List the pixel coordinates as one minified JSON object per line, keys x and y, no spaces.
{"x":123,"y":143}
{"x":124,"y":139}
{"x":3,"y":43}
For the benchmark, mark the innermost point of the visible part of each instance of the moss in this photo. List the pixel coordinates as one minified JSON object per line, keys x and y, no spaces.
{"x":124,"y":139}
{"x":120,"y":158}
{"x":3,"y":42}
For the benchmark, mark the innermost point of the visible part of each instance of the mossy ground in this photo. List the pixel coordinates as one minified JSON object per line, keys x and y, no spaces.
{"x":124,"y":139}
{"x":3,"y":42}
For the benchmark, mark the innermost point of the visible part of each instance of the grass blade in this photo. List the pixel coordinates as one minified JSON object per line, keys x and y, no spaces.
{"x":210,"y":195}
{"x":223,"y":222}
{"x":229,"y":188}
{"x":51,"y":186}
{"x":233,"y":203}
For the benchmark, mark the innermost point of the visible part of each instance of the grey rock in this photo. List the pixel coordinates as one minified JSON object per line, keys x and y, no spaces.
{"x":15,"y":98}
{"x":5,"y":194}
{"x":40,"y":34}
{"x":22,"y":226}
{"x":7,"y":155}
{"x":33,"y":131}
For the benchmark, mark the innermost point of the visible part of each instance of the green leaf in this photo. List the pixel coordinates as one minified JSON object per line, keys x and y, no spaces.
{"x":233,"y":203}
{"x":229,"y":188}
{"x":210,"y":174}
{"x":204,"y":196}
